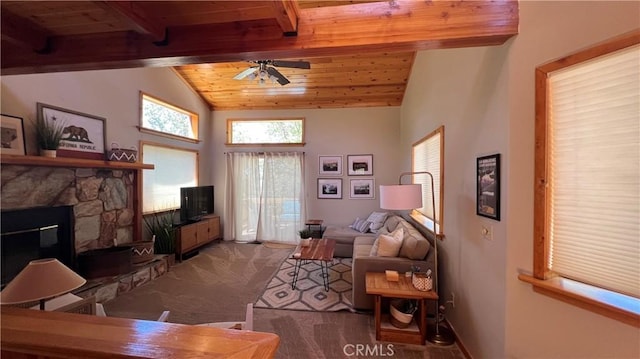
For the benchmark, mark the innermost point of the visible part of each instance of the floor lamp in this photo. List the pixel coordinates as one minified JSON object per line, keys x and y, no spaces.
{"x":40,"y":280}
{"x":407,"y":197}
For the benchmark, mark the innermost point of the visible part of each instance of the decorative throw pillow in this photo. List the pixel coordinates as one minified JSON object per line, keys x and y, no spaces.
{"x":377,"y":220}
{"x":376,"y":243}
{"x":389,"y":245}
{"x":360,"y":225}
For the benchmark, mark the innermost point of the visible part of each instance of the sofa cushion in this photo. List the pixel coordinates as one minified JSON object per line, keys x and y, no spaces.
{"x":389,"y":244}
{"x":414,"y":245}
{"x":362,"y":246}
{"x":343,"y":234}
{"x":391,"y":223}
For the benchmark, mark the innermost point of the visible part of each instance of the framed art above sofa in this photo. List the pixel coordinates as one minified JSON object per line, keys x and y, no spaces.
{"x":330,"y":188}
{"x":360,"y":165}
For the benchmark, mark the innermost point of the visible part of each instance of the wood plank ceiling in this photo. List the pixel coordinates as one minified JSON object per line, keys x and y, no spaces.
{"x":361,"y":52}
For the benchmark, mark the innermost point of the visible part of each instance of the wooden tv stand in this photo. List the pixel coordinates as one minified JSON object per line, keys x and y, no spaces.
{"x":195,"y":235}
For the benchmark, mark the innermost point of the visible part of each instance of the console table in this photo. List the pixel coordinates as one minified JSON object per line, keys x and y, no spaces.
{"x":378,"y":285}
{"x":195,"y":235}
{"x":39,"y":334}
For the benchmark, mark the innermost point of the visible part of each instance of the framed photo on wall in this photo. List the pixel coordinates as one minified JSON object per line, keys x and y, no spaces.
{"x":488,"y":186}
{"x":360,"y":165}
{"x":362,"y":189}
{"x":330,"y":188}
{"x":330,"y":165}
{"x":12,"y":130}
{"x":84,"y":135}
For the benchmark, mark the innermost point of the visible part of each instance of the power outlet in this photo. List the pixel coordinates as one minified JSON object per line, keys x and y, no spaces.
{"x":487,"y":232}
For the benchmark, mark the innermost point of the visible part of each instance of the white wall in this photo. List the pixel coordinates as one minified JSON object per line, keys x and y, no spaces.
{"x":328,"y":132}
{"x":485,"y":99}
{"x":538,"y":326}
{"x":465,"y":90}
{"x":111,"y":94}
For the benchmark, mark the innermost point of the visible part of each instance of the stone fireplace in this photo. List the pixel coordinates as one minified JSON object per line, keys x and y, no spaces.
{"x":102,"y":200}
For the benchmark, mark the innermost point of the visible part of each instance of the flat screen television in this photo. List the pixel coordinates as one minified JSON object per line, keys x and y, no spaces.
{"x":195,"y":202}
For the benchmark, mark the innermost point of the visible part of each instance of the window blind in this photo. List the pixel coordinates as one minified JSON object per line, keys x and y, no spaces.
{"x":174,"y":168}
{"x":426,"y":157}
{"x":594,"y":171}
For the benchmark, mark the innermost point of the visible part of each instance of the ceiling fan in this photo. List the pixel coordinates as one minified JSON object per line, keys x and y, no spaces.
{"x":266,"y":70}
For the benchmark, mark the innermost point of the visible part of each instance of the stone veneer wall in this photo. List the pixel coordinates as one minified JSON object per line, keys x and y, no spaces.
{"x":102,"y":199}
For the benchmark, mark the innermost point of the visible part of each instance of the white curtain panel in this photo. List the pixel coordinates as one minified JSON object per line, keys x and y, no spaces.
{"x":265,"y":196}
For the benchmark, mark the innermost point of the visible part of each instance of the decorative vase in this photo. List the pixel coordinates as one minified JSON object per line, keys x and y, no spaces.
{"x":305,"y":242}
{"x":48,"y":153}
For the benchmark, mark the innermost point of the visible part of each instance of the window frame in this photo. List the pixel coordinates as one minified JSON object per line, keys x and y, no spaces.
{"x":142,"y":179}
{"x":544,"y":281}
{"x":229,"y":138}
{"x":435,"y":227}
{"x":194,"y":117}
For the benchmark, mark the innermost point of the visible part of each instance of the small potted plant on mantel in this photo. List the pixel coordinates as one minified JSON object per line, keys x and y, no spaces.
{"x":48,"y":137}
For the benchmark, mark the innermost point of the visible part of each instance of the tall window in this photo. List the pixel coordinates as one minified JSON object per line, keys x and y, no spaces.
{"x":428,"y":155}
{"x":163,"y":118}
{"x":265,"y":131}
{"x":174,"y":168}
{"x":587,"y":170}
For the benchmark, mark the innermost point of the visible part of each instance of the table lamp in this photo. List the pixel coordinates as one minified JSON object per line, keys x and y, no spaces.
{"x":40,"y":280}
{"x":406,"y":197}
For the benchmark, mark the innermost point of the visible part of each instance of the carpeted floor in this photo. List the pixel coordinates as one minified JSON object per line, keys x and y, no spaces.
{"x":217,"y":284}
{"x":309,"y":293}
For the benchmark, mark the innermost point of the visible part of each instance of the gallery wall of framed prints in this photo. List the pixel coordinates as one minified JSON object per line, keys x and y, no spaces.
{"x":356,"y":165}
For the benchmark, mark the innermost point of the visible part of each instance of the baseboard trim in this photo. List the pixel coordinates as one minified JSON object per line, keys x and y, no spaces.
{"x":463,"y":349}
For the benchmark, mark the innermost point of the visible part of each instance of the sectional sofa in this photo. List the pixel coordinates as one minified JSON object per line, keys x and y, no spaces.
{"x":370,"y":253}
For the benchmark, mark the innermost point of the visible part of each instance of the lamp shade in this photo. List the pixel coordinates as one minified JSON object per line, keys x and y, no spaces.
{"x":401,"y":197}
{"x":41,"y":279}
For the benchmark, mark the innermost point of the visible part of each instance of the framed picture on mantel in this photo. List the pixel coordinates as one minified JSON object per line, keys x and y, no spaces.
{"x":84,"y":135}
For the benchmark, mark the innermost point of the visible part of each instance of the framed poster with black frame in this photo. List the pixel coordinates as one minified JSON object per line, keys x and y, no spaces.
{"x":84,"y":135}
{"x":330,"y":165}
{"x":360,"y":165}
{"x":12,"y":130}
{"x":488,"y":186}
{"x":330,"y":188}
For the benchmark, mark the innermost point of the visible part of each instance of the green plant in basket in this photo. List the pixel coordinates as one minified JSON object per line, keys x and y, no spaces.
{"x":304,"y":233}
{"x":160,"y":224}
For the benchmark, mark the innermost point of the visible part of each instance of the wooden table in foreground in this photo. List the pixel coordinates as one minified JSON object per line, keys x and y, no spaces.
{"x":27,"y":333}
{"x":378,"y":285}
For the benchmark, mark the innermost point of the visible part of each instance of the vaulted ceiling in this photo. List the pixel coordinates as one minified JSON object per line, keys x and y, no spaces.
{"x":360,"y":52}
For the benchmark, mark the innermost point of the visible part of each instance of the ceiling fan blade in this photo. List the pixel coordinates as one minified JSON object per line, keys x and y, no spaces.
{"x":281,"y":79}
{"x":292,"y":64}
{"x":245,"y":73}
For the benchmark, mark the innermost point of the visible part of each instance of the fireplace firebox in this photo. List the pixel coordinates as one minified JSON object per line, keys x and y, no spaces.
{"x":35,"y":233}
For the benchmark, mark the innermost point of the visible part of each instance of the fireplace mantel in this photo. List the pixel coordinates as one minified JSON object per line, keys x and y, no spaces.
{"x":72,"y":162}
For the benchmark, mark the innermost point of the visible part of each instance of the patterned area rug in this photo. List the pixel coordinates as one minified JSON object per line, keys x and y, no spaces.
{"x":309,"y":293}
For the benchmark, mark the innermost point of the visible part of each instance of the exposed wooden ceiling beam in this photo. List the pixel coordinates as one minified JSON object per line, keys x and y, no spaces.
{"x":286,"y":14}
{"x":23,"y":33}
{"x":404,"y":25}
{"x":135,"y":17}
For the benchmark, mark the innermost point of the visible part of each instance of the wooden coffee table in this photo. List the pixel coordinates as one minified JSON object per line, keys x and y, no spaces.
{"x":378,"y":285}
{"x":319,"y":250}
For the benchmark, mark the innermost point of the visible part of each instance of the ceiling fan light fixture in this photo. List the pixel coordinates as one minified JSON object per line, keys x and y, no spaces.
{"x":266,"y":70}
